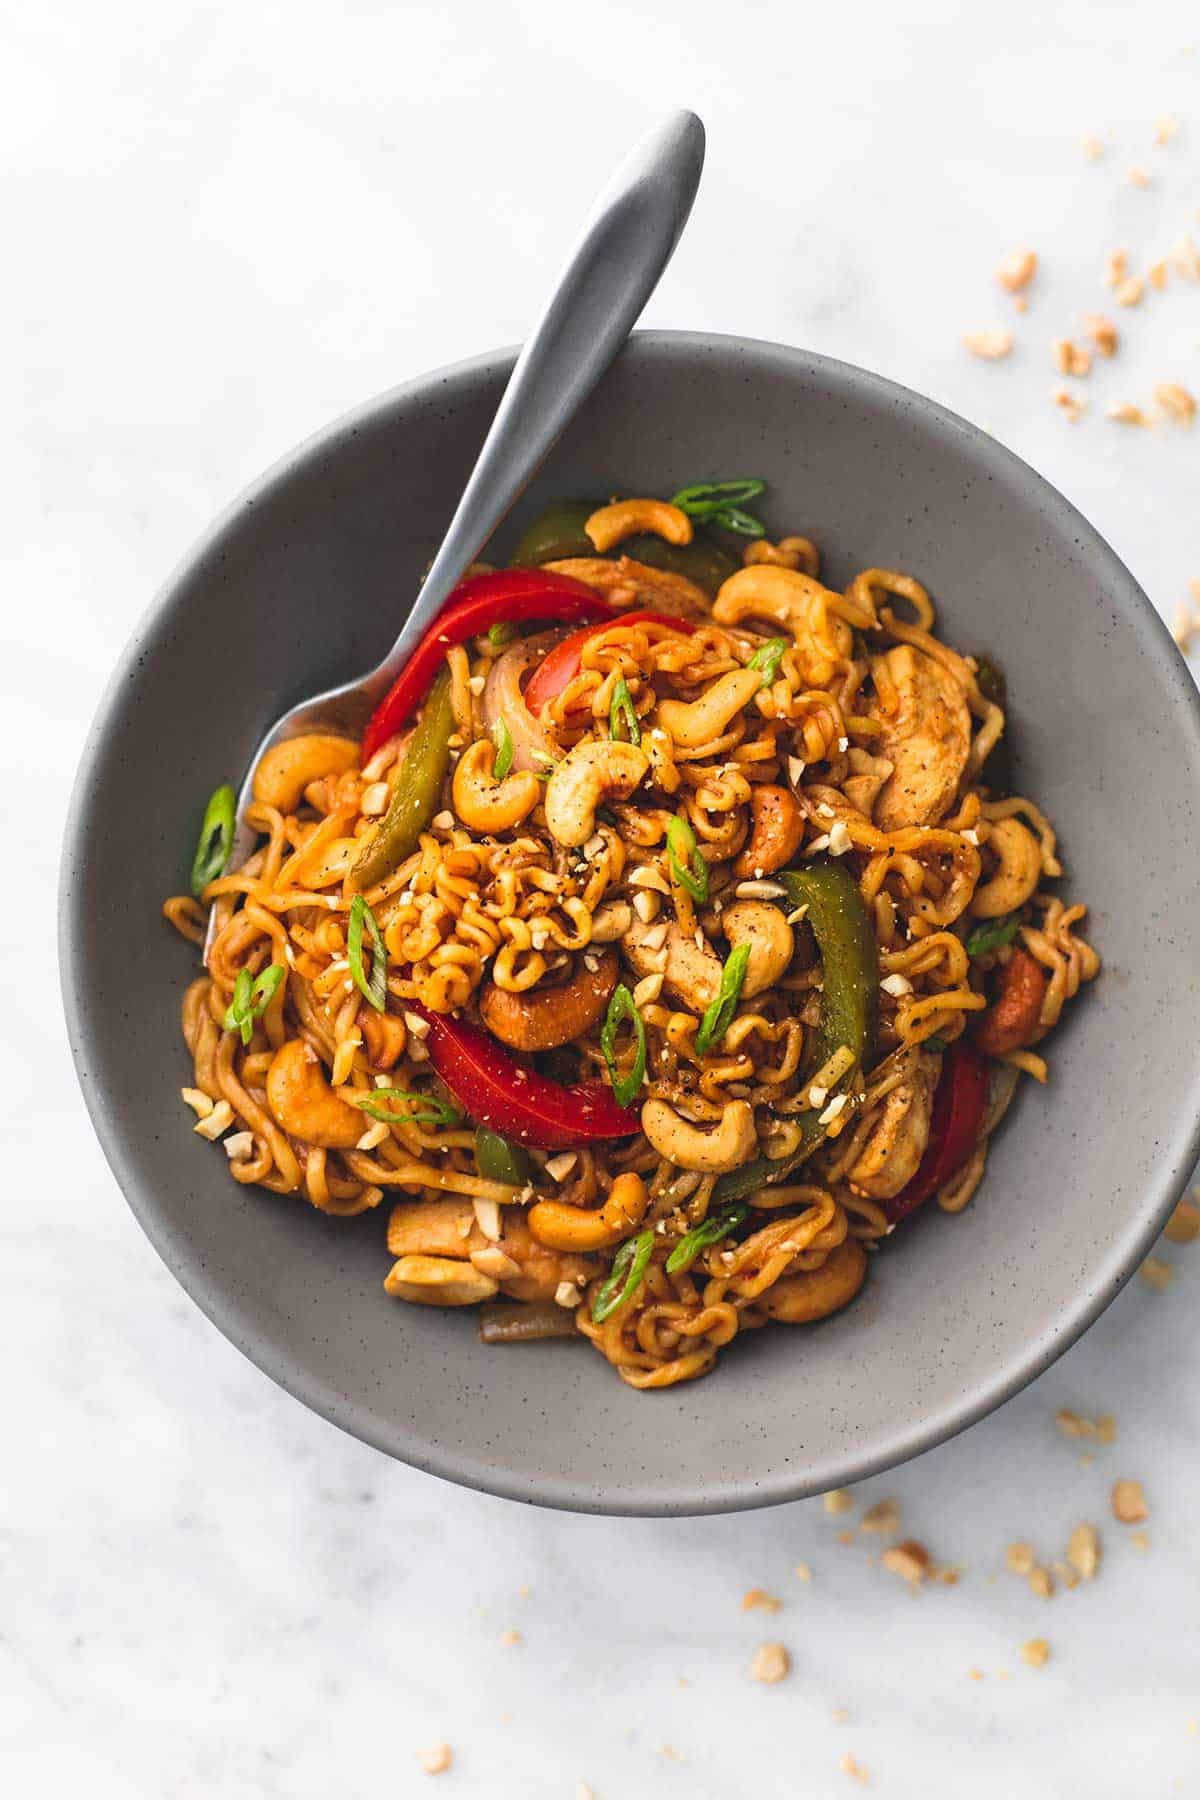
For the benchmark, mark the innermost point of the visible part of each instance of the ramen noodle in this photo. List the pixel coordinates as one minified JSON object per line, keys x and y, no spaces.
{"x":672,"y":934}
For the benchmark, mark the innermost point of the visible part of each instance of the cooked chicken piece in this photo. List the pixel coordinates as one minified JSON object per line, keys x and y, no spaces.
{"x":927,"y":738}
{"x":693,"y":975}
{"x":636,"y":584}
{"x":892,"y":1153}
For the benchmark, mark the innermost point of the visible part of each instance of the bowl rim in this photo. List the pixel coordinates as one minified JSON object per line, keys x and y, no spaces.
{"x":450,"y":1462}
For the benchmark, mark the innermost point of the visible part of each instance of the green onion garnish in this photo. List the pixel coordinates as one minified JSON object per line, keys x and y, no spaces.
{"x":500,"y":633}
{"x":718,"y":1017}
{"x":701,"y":1236}
{"x":769,"y":657}
{"x":252,"y":994}
{"x":427,"y":1109}
{"x":622,"y":1006}
{"x":688,"y":867}
{"x":504,"y":749}
{"x":375,"y":989}
{"x":215,"y":841}
{"x":625,"y":1276}
{"x":721,"y":502}
{"x":622,"y":714}
{"x":993,"y":936}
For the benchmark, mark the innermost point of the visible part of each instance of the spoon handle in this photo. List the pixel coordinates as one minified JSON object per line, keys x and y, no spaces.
{"x":611,"y":273}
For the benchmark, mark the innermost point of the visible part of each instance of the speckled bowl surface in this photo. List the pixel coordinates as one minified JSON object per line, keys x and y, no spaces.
{"x":302,"y":583}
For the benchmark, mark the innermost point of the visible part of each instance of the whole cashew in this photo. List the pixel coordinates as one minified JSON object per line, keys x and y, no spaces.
{"x":689,"y":1146}
{"x":1020,"y":870}
{"x":545,"y":1017}
{"x":766,"y":591}
{"x":587,"y":775}
{"x":303,"y":1103}
{"x":448,"y":1229}
{"x":286,"y":770}
{"x":764,"y":928}
{"x":777,"y":826}
{"x":801,"y":1299}
{"x":484,"y":804}
{"x":699,"y":721}
{"x":625,"y":518}
{"x":563,"y":1227}
{"x":438,"y":1281}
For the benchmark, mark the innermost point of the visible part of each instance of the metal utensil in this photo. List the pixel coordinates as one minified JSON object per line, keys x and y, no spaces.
{"x":611,"y":273}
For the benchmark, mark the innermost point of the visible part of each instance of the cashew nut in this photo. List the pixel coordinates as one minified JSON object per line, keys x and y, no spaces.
{"x":484,"y":804}
{"x":611,"y":921}
{"x":691,"y":973}
{"x":892,"y":1153}
{"x":777,"y":826}
{"x":563,"y":1227}
{"x":384,"y":1036}
{"x":448,"y":1229}
{"x":625,"y":518}
{"x":438,"y":1281}
{"x":542,"y":1018}
{"x":303,"y":1103}
{"x":689,"y":1146}
{"x":589,"y":774}
{"x":286,"y":769}
{"x":801,"y":1299}
{"x":1020,"y":870}
{"x":766,"y":591}
{"x":764,"y":928}
{"x":926,"y":736}
{"x":700,"y":721}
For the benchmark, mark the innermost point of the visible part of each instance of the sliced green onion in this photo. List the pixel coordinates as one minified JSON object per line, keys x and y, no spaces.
{"x":769,"y":657}
{"x":216,"y":839}
{"x":721,"y":502}
{"x":426,"y":1109}
{"x":374,"y":989}
{"x":504,"y":749}
{"x":735,"y":518}
{"x":500,"y":633}
{"x":625,"y":1276}
{"x":251,"y":997}
{"x":622,"y":714}
{"x":994,"y":935}
{"x":622,"y":1006}
{"x":687,"y":865}
{"x":701,"y":1236}
{"x":719,"y":1016}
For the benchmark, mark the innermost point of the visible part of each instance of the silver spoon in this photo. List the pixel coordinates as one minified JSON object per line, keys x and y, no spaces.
{"x":624,"y":248}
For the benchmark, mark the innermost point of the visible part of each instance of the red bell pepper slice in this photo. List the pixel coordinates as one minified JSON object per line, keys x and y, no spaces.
{"x":562,"y":664}
{"x":958,"y":1109}
{"x":500,"y":1093}
{"x":475,"y":604}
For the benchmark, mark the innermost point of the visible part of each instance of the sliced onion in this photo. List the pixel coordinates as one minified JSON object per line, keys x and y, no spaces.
{"x":502,"y":698}
{"x":525,"y":1322}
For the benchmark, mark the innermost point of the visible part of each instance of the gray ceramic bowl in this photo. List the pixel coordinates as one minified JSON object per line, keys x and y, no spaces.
{"x":302,"y":583}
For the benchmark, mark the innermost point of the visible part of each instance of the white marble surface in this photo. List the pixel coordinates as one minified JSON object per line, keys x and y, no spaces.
{"x":221,"y":226}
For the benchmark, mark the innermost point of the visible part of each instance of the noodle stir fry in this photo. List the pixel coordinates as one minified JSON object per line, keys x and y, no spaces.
{"x":672,"y":934}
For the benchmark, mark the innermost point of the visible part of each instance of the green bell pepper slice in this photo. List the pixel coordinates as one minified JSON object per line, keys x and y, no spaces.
{"x":701,"y":561}
{"x":849,"y":955}
{"x":499,"y":1159}
{"x":556,"y":534}
{"x":415,"y":792}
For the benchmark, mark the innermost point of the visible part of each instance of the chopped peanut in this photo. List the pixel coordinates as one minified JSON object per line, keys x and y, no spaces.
{"x":1125,"y":413}
{"x":1176,"y":401}
{"x":771,"y":1663}
{"x":1017,"y":270}
{"x":1183,"y":1226}
{"x":759,"y":1597}
{"x":1102,"y":332}
{"x":1156,"y":274}
{"x":1157,"y":1272}
{"x":909,"y":1559}
{"x":1042,"y":1583}
{"x":992,"y":346}
{"x":1116,"y":268}
{"x":1166,"y":129}
{"x":838,"y":1500}
{"x":1036,"y":1652}
{"x":1092,"y":146}
{"x":1129,"y":1503}
{"x":435,"y":1759}
{"x":1071,"y":359}
{"x":1186,"y":257}
{"x":1083,"y":1551}
{"x":1129,"y":293}
{"x":1019,"y":1558}
{"x":854,"y":1770}
{"x":1072,"y":406}
{"x":883,"y":1517}
{"x":1137,"y":177}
